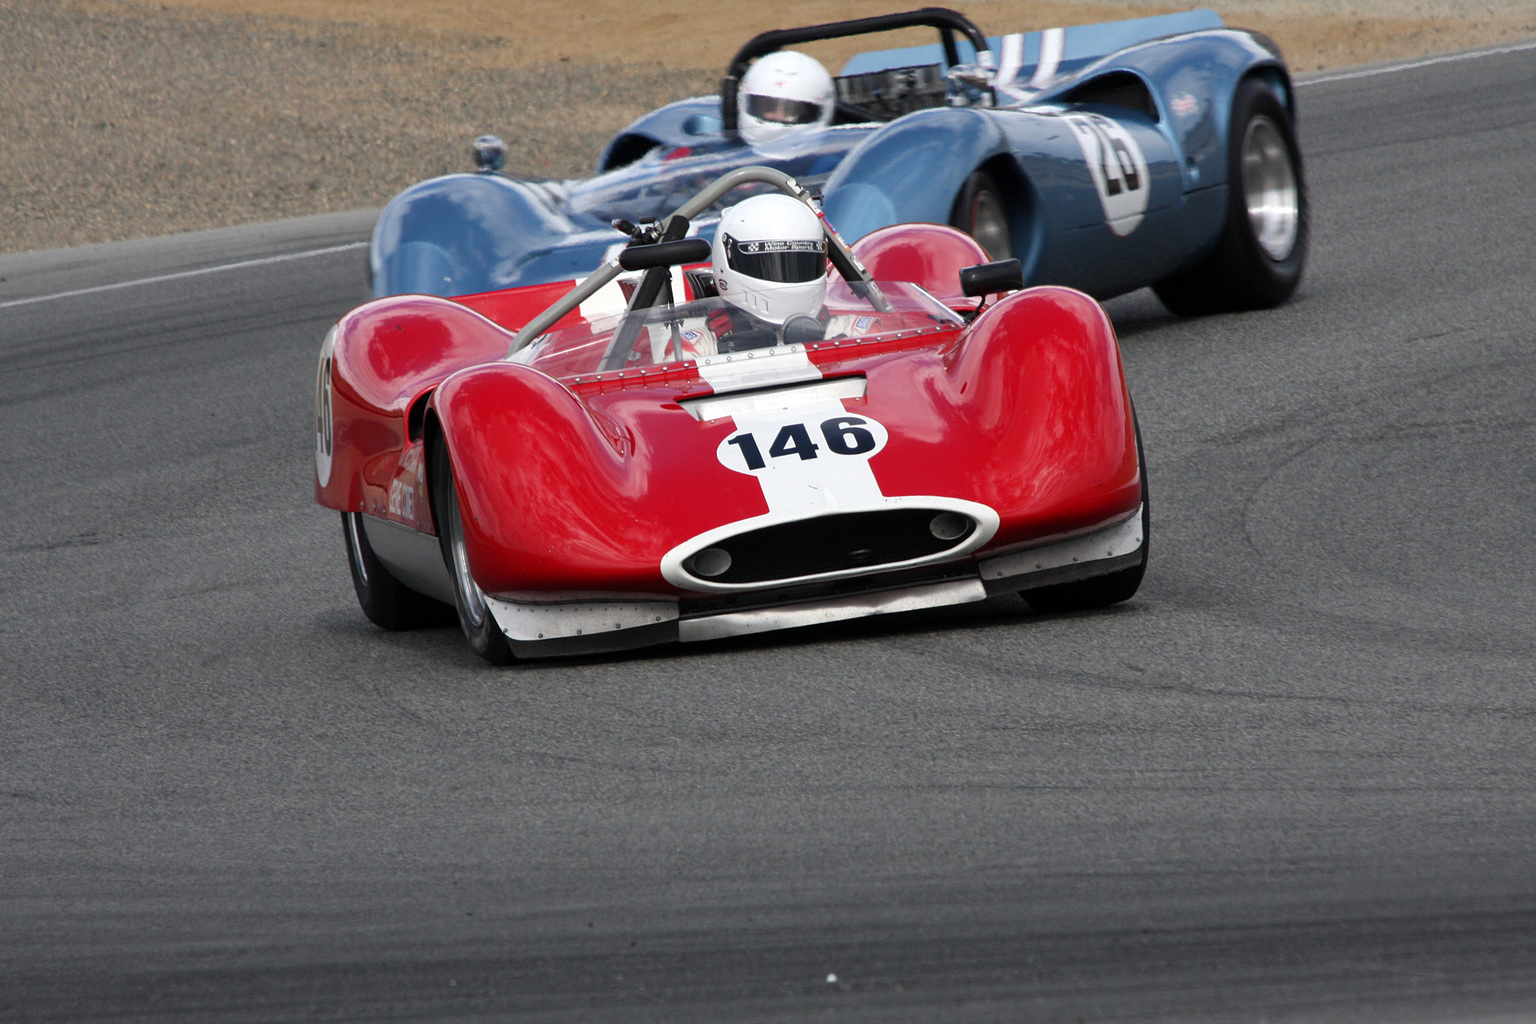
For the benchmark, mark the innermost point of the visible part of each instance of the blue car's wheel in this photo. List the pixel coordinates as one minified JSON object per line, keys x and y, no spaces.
{"x":475,"y":618}
{"x":979,"y":212}
{"x":385,"y":600}
{"x":1258,"y":262}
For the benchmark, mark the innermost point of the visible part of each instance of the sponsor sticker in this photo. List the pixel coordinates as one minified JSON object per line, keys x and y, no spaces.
{"x":776,"y":245}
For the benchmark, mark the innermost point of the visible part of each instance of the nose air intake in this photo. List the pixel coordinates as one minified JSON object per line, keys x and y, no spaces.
{"x":836,"y":543}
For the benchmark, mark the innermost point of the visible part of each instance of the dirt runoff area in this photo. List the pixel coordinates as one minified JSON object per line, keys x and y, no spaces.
{"x":122,"y":119}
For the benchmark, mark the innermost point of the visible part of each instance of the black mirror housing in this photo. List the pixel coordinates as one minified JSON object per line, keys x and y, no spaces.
{"x":665,"y":254}
{"x":992,"y":278}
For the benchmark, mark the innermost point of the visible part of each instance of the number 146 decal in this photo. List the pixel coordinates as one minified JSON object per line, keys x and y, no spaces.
{"x":751,"y":450}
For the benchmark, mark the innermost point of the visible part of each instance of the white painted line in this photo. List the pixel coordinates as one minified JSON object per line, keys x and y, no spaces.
{"x":263,"y":261}
{"x":1449,"y":58}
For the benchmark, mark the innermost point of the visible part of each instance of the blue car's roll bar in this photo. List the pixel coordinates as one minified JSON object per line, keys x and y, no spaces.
{"x":948,"y":22}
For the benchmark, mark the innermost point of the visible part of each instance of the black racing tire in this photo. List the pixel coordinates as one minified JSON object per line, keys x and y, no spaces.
{"x":386,"y":601}
{"x":980,"y":212}
{"x":1101,"y":591}
{"x":475,"y":618}
{"x":1263,"y":248}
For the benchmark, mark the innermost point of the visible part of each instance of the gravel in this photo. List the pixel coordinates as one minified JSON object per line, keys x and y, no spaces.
{"x":119,"y":125}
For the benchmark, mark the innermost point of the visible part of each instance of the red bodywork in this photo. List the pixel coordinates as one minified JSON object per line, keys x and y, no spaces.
{"x":582,"y":483}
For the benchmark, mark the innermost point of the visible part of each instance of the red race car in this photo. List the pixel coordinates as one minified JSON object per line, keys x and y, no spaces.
{"x":705,"y":440}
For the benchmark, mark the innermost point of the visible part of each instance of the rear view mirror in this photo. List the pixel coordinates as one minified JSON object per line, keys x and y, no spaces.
{"x":666,"y":254}
{"x":992,"y":278}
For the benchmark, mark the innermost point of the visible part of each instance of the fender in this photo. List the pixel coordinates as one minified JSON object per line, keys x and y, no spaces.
{"x":461,"y":234}
{"x":557,"y":495}
{"x":1208,"y":64}
{"x":687,"y":122}
{"x":374,"y":366}
{"x":910,"y":170}
{"x":1040,"y":426}
{"x":929,"y":255}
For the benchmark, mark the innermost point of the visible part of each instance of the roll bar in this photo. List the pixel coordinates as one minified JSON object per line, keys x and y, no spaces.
{"x":843,"y":259}
{"x":948,"y":22}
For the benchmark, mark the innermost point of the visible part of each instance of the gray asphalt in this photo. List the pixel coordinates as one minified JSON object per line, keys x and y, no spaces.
{"x":1291,"y":781}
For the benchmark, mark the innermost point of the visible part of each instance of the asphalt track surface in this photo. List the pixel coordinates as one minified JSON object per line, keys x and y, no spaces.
{"x":1291,"y":781}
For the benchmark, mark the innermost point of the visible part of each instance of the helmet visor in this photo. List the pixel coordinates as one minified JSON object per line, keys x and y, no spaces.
{"x":780,"y":110}
{"x":785,"y":261}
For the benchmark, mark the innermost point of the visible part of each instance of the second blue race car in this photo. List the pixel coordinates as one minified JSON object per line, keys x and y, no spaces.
{"x":1156,"y":151}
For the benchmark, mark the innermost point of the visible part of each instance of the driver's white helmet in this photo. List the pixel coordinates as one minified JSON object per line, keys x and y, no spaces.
{"x":783,"y":91}
{"x":770,"y":258}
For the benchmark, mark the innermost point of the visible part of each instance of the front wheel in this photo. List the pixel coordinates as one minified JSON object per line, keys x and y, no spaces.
{"x":475,"y":618}
{"x":1258,"y":261}
{"x":386,"y":601}
{"x":980,"y":213}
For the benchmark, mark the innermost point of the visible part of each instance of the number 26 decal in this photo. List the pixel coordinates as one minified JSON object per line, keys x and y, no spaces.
{"x":1117,"y":166}
{"x":799,"y":442}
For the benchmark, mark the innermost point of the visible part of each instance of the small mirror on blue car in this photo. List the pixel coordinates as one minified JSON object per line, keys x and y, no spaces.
{"x":702,"y":124}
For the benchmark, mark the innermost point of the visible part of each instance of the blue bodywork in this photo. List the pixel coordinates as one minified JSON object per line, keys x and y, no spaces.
{"x":1155,"y":88}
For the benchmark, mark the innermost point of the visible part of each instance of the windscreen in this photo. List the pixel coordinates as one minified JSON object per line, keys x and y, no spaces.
{"x":689,"y":331}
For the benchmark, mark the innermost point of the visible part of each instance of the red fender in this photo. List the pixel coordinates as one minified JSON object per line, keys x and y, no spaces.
{"x":558,"y":495}
{"x":931,"y":255}
{"x":1028,"y":412}
{"x":383,"y":356}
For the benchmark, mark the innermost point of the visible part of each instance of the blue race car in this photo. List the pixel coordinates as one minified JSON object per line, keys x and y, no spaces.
{"x":1157,"y":151}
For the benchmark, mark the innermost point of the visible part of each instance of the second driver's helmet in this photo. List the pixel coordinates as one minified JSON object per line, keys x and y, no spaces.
{"x":770,"y":258}
{"x":783,"y":91}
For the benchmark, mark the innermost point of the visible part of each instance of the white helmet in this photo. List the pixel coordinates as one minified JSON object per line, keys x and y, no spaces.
{"x":783,"y":91}
{"x":770,"y":258}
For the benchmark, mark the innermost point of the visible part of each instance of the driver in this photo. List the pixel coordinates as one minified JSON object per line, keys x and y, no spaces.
{"x":770,"y":266}
{"x":783,"y":91}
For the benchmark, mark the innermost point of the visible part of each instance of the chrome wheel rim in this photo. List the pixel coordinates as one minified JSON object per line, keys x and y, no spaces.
{"x":1269,"y":188}
{"x":989,"y":226}
{"x":471,"y":597}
